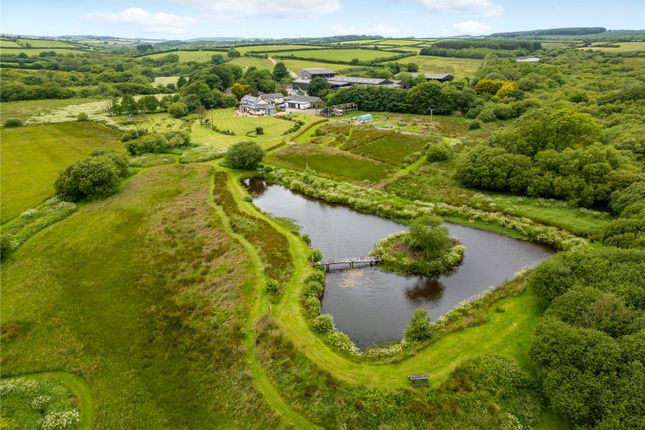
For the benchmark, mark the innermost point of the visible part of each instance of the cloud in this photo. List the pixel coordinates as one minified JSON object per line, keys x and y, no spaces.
{"x":222,"y":9}
{"x":485,"y":8}
{"x":471,"y":27}
{"x":376,"y":29}
{"x":158,"y":22}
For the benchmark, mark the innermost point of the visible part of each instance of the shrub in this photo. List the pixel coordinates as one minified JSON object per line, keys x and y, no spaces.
{"x":474,"y":125}
{"x":272,"y":286}
{"x":314,"y":288}
{"x":426,"y":236}
{"x":120,"y":163}
{"x":133,"y":134}
{"x":244,"y":155}
{"x":316,"y":276}
{"x":312,"y":304}
{"x":82,"y":116}
{"x":7,"y":245}
{"x":324,"y":324}
{"x":259,"y":131}
{"x":316,"y":255}
{"x":419,"y":328}
{"x":89,"y":178}
{"x":178,"y":110}
{"x":13,"y":122}
{"x":438,"y":152}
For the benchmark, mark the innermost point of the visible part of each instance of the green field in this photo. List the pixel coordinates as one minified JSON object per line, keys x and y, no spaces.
{"x":460,"y":67}
{"x":398,"y":42}
{"x":144,"y":297}
{"x":165,"y":80}
{"x":8,"y":43}
{"x":340,"y":54}
{"x":45,"y":43}
{"x":390,"y":147}
{"x":258,"y":63}
{"x":32,"y":52}
{"x":296,"y":65}
{"x":635,"y":61}
{"x":269,"y":48}
{"x":33,"y":156}
{"x":186,"y":56}
{"x":28,"y":108}
{"x":331,"y":163}
{"x":622,"y":47}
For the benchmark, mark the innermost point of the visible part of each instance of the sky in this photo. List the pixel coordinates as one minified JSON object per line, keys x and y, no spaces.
{"x":186,"y":19}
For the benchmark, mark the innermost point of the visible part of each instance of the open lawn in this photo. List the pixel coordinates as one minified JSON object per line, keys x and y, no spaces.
{"x":331,"y":163}
{"x":244,"y":129}
{"x":33,"y":156}
{"x":339,"y":54}
{"x":460,"y":67}
{"x":154,"y":326}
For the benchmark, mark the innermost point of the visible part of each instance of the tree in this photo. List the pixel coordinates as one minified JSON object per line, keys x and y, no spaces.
{"x":419,"y":328}
{"x":239,"y":89}
{"x":244,"y":155}
{"x":412,"y":67}
{"x":89,"y":178}
{"x":218,"y":59}
{"x":145,"y":47}
{"x":129,"y":104}
{"x":181,"y":81}
{"x":422,"y":97}
{"x":233,"y":53}
{"x":324,"y":324}
{"x":318,"y":87}
{"x":280,"y":71}
{"x":428,"y":237}
{"x":148,"y":104}
{"x":178,"y":110}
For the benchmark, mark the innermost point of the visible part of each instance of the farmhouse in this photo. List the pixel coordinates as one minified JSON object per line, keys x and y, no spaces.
{"x":317,"y":72}
{"x":303,"y":102}
{"x":256,"y":106}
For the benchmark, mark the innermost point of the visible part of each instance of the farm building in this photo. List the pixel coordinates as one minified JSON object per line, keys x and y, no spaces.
{"x":300,"y":84}
{"x":440,"y":77}
{"x":274,"y":98}
{"x":256,"y":106}
{"x":347,"y":81}
{"x":317,"y":72}
{"x":303,"y":102}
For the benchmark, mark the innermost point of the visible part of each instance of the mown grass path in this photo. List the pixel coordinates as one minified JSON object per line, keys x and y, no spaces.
{"x":260,"y":307}
{"x":507,"y":333}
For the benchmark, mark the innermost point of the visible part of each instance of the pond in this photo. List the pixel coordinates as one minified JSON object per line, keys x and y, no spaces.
{"x":373,"y":306}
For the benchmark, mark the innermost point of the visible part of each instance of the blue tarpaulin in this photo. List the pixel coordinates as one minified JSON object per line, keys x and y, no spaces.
{"x":365,"y":118}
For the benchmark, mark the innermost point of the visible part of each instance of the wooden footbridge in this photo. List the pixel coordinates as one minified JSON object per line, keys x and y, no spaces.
{"x":345,"y":263}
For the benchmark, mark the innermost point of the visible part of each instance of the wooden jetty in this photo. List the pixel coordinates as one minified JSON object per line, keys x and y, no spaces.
{"x":351,"y":262}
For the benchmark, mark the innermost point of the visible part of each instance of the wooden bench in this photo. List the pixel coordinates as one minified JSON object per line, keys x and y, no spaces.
{"x":419,"y":380}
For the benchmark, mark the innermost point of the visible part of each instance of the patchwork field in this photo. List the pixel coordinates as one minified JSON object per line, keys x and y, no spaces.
{"x":153,"y":326}
{"x":340,"y":54}
{"x":460,"y":67}
{"x":332,"y":163}
{"x":33,"y":156}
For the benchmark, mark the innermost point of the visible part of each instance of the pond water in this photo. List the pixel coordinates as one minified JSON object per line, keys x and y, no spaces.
{"x":373,"y":306}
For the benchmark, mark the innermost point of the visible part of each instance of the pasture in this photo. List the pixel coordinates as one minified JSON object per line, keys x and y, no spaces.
{"x":296,"y":65}
{"x":44,"y":43}
{"x":165,"y":80}
{"x":622,"y":47}
{"x":340,"y":54}
{"x":26,"y":109}
{"x":258,"y":63}
{"x":270,"y":48}
{"x":331,"y":163}
{"x":33,"y":52}
{"x":33,"y":156}
{"x":398,"y":42}
{"x":143,"y":296}
{"x":460,"y":67}
{"x":186,"y":56}
{"x":634,"y":61}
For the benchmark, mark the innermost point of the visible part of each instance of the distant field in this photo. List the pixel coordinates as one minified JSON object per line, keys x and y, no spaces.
{"x":623,"y":46}
{"x":268,"y":48}
{"x":185,"y":56}
{"x":296,"y":65}
{"x":32,"y":52}
{"x":459,"y":67}
{"x":260,"y":63}
{"x":165,"y":80}
{"x":331,"y":163}
{"x":340,"y":54}
{"x":358,"y":42}
{"x":398,"y":42}
{"x":32,"y":157}
{"x":5,"y":43}
{"x":635,"y":61}
{"x":28,"y":108}
{"x":45,"y":43}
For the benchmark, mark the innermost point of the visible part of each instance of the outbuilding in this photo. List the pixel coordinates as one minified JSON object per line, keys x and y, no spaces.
{"x":317,"y":72}
{"x":303,"y":102}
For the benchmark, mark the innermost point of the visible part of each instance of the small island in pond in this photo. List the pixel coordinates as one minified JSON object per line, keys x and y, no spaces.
{"x":425,"y":249}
